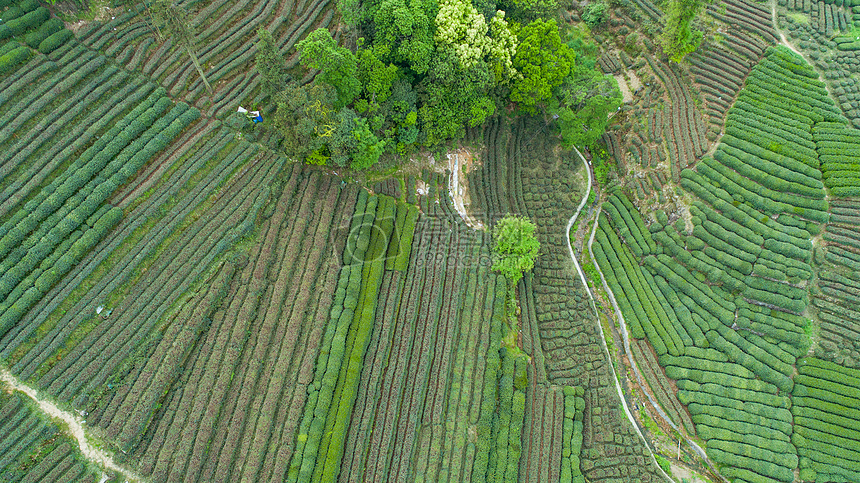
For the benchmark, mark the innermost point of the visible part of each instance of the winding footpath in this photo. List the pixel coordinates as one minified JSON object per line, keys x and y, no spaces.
{"x":76,"y":428}
{"x":597,"y":318}
{"x":623,"y":325}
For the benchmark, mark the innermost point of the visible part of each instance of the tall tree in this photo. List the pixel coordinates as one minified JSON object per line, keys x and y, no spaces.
{"x":172,"y":20}
{"x":375,"y":76}
{"x":270,"y":63}
{"x":338,"y":65}
{"x":516,"y":247}
{"x":353,"y":143}
{"x":306,"y":118}
{"x":585,"y":103}
{"x":679,"y":38}
{"x":542,"y":61}
{"x":403,"y":32}
{"x":587,"y":97}
{"x":460,"y":27}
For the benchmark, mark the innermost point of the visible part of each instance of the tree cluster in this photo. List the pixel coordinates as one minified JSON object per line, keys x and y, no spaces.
{"x":424,"y":70}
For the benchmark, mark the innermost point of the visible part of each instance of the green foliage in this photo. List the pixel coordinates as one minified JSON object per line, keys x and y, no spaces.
{"x":339,"y":414}
{"x":306,"y":118}
{"x":595,"y":13}
{"x":460,"y":27}
{"x":338,"y":65}
{"x":350,"y":11}
{"x":375,"y":76}
{"x":679,"y":38}
{"x":400,"y":113}
{"x":664,"y":464}
{"x":585,"y":101}
{"x":572,"y":434}
{"x":500,"y":446}
{"x":353,"y":143}
{"x":269,"y":63}
{"x":426,"y":70}
{"x":543,"y":63}
{"x":515,"y":248}
{"x":407,"y":233}
{"x":11,"y":60}
{"x":52,"y":26}
{"x":404,"y":31}
{"x":453,"y":98}
{"x":527,"y":10}
{"x":602,"y":163}
{"x":338,"y":365}
{"x":19,"y":25}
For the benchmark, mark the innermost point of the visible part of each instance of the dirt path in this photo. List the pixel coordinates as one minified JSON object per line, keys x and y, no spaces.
{"x":75,"y":427}
{"x":626,"y":95}
{"x":597,"y":319}
{"x":625,"y":336}
{"x":623,"y":324}
{"x":782,"y":39}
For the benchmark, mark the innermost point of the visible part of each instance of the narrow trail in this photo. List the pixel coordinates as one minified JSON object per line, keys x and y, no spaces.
{"x":692,"y":444}
{"x":75,"y":427}
{"x":785,"y":43}
{"x":597,"y":319}
{"x":782,"y":39}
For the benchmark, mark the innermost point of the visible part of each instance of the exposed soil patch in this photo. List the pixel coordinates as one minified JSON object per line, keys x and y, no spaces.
{"x":460,"y":163}
{"x":102,"y":13}
{"x":626,"y":95}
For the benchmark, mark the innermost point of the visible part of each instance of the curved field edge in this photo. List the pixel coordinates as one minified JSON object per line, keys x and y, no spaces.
{"x":749,"y":349}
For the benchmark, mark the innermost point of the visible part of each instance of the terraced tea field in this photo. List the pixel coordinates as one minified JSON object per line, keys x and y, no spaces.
{"x":208,"y":308}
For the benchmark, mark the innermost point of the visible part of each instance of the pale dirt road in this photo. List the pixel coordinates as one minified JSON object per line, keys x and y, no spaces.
{"x":74,"y":424}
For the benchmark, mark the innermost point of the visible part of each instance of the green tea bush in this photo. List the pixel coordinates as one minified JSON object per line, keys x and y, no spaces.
{"x":11,"y":60}
{"x":55,"y":41}
{"x":52,"y":26}
{"x":19,"y":25}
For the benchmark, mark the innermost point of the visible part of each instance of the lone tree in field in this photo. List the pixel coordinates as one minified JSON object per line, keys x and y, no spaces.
{"x":172,"y":20}
{"x":516,"y":247}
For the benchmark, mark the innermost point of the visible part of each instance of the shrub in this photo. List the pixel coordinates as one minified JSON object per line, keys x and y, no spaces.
{"x":595,"y":14}
{"x":19,"y":25}
{"x":515,"y":247}
{"x":10,"y":61}
{"x":52,"y":26}
{"x":55,"y":41}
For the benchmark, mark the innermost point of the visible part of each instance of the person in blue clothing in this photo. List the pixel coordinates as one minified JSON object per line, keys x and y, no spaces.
{"x":253,"y":116}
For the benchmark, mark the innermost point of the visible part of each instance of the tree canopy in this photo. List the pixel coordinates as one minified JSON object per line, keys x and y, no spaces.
{"x":421,"y":71}
{"x":338,"y":65}
{"x":403,"y":33}
{"x":586,"y":98}
{"x":515,"y":248}
{"x":679,"y":38}
{"x":542,"y":61}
